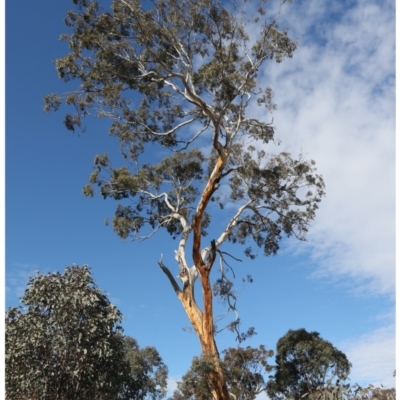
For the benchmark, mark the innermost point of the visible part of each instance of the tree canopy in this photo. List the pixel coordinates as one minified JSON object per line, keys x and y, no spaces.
{"x":148,"y":373}
{"x":66,"y":343}
{"x":244,"y":369}
{"x":177,"y":81}
{"x":304,"y":363}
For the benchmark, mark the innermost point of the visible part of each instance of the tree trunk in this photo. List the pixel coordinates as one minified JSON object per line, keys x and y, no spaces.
{"x":203,"y":322}
{"x":204,"y":327}
{"x":206,"y":334}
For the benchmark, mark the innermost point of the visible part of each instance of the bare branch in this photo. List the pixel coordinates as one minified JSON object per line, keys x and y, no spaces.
{"x":170,"y":277}
{"x":170,"y":132}
{"x":180,"y":253}
{"x":194,"y":137}
{"x":231,"y":224}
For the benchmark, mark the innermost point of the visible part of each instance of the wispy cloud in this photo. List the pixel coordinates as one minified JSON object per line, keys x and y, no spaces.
{"x":373,"y":357}
{"x":336,"y":101}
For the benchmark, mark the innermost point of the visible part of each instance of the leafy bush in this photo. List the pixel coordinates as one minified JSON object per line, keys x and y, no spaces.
{"x":66,"y":343}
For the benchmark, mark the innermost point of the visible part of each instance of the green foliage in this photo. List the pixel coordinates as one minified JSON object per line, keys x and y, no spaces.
{"x":273,"y":188}
{"x":133,"y":48}
{"x":162,"y":72}
{"x":176,"y":80}
{"x":148,"y":373}
{"x":244,"y":369}
{"x":304,"y":363}
{"x":66,"y":343}
{"x":351,"y":392}
{"x":196,"y":383}
{"x":383,"y":393}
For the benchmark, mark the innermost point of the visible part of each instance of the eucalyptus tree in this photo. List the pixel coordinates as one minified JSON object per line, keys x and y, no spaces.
{"x":148,"y":374}
{"x":244,"y":369}
{"x":65,"y":343}
{"x":177,"y":80}
{"x":306,"y":364}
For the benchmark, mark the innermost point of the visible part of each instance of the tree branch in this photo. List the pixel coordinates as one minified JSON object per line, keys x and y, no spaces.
{"x":170,"y":277}
{"x":170,"y":132}
{"x":224,"y":235}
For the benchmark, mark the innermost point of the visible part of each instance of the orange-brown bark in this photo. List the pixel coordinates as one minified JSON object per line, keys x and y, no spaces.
{"x":203,"y":321}
{"x":205,"y":198}
{"x":206,"y":336}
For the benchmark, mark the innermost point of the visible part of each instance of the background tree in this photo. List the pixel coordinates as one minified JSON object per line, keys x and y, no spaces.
{"x":196,"y":384}
{"x":182,"y":75}
{"x":148,"y":374}
{"x":351,"y":392}
{"x":305,"y":362}
{"x":383,"y":393}
{"x":67,"y":344}
{"x":244,"y":369}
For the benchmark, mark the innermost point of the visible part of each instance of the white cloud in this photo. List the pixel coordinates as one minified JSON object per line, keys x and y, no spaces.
{"x":172,"y":385}
{"x":336,"y":102}
{"x":373,"y":357}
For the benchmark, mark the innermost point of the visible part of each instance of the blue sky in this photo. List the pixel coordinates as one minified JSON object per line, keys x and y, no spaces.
{"x":335,"y":105}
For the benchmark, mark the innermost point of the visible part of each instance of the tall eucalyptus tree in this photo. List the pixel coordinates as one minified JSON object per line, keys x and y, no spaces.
{"x":182,"y":75}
